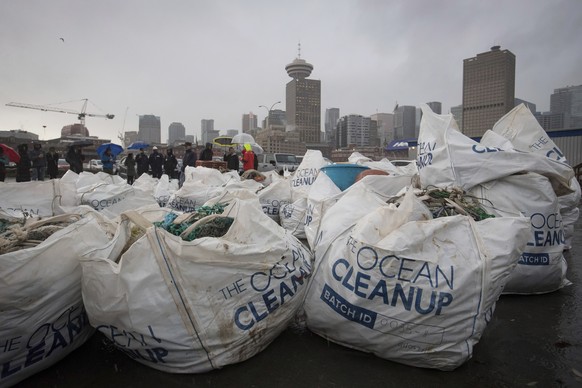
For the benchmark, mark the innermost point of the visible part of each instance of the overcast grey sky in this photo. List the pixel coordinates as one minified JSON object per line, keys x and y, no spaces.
{"x":191,"y":60}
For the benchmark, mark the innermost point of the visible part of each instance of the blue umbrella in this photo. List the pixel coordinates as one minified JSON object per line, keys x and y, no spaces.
{"x":116,"y":149}
{"x":137,"y":145}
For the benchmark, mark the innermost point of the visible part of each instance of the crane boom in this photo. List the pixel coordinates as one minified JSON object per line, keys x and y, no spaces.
{"x":81,"y":115}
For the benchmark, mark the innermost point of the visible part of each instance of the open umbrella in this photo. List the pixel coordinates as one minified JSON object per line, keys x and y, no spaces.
{"x":10,"y":153}
{"x":257,"y":149}
{"x":136,"y":145}
{"x":243,"y":138}
{"x":116,"y":149}
{"x":225,"y":141}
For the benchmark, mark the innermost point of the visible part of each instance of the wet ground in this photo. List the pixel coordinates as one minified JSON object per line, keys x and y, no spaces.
{"x":532,"y":341}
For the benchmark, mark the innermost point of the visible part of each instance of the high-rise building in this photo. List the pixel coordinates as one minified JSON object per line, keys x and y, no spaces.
{"x":277,"y":119}
{"x":488,"y":89}
{"x":176,"y":132}
{"x":303,"y":101}
{"x":567,"y":101}
{"x":207,"y":131}
{"x":332,"y":116}
{"x":405,"y":122}
{"x":385,"y":123}
{"x":150,"y":130}
{"x":249,"y":122}
{"x":354,"y":131}
{"x":436,"y":107}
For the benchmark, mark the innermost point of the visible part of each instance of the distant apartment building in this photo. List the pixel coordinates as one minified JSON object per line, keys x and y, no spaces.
{"x":457,"y":112}
{"x":150,"y":129}
{"x":249,"y":122}
{"x":436,"y":107}
{"x":176,"y":133}
{"x":405,"y":122}
{"x":354,"y":131}
{"x":332,"y":116}
{"x":488,"y":89}
{"x":130,"y":137}
{"x":232,"y":132}
{"x":207,"y":131}
{"x":550,"y":121}
{"x":567,"y":101}
{"x":303,"y":101}
{"x":530,"y":105}
{"x":385,"y":123}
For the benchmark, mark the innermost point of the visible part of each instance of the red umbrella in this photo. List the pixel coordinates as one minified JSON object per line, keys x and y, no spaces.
{"x":10,"y":153}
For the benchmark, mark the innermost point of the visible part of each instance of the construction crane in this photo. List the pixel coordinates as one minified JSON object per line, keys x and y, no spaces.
{"x":81,"y":115}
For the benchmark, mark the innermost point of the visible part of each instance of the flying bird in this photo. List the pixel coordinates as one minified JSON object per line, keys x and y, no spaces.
{"x":62,"y":39}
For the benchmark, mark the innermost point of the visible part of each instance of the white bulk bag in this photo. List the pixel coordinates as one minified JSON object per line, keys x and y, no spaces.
{"x":448,"y":158}
{"x":414,"y":292}
{"x":292,"y":217}
{"x":30,"y":199}
{"x":302,"y":179}
{"x":204,"y":304}
{"x":541,"y":267}
{"x":192,"y":195}
{"x":525,"y":133}
{"x":322,"y":196}
{"x":274,"y":197}
{"x":42,"y":317}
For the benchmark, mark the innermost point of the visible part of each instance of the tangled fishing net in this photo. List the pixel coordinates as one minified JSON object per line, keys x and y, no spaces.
{"x":451,"y":202}
{"x":204,"y":222}
{"x":22,"y":233}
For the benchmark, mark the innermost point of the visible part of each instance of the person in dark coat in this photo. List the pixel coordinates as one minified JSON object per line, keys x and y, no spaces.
{"x":156,"y":163}
{"x":130,"y":164}
{"x":207,"y":153}
{"x":23,"y":166}
{"x":188,"y":160}
{"x":231,"y":159}
{"x":38,"y":159}
{"x":52,"y":163}
{"x":143,"y":163}
{"x":3,"y":164}
{"x":170,"y":163}
{"x":75,"y":158}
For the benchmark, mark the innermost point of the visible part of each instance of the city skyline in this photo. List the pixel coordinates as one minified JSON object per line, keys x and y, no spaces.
{"x":208,"y":60}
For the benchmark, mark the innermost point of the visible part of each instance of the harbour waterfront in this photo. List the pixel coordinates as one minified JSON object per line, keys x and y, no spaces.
{"x":533,"y":340}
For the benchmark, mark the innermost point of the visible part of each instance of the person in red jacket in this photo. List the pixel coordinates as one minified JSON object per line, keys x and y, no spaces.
{"x":248,"y":159}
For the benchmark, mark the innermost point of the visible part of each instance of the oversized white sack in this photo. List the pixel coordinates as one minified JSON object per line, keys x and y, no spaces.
{"x":302,"y":179}
{"x":206,"y":176}
{"x":526,"y":134}
{"x":383,"y":165}
{"x":448,"y":158}
{"x":164,"y":189}
{"x":204,"y":304}
{"x":292,"y":217}
{"x":412,"y":289}
{"x":30,"y":199}
{"x":274,"y":197}
{"x":323,"y":195}
{"x":42,"y":317}
{"x":192,"y":195}
{"x":541,"y":267}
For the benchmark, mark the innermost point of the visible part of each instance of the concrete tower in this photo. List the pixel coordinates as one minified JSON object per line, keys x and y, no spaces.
{"x":303,"y":101}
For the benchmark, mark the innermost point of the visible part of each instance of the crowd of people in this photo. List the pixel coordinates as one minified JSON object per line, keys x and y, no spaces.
{"x":36,"y":164}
